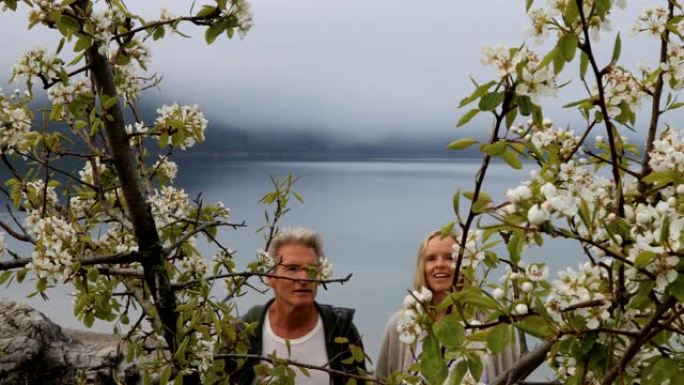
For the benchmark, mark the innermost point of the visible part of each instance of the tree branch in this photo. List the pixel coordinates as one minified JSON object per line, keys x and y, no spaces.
{"x":189,"y":234}
{"x":655,"y":107}
{"x":645,"y":334}
{"x":524,"y":366}
{"x":276,"y":361}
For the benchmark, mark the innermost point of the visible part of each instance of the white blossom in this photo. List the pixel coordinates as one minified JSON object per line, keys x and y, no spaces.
{"x":501,"y":58}
{"x":519,"y":194}
{"x":166,"y":167}
{"x":527,"y":287}
{"x":538,"y":215}
{"x":651,"y":21}
{"x":15,"y":120}
{"x":326,"y":268}
{"x":128,"y":83}
{"x":520,"y":309}
{"x":36,"y":62}
{"x":192,"y":119}
{"x":169,"y":204}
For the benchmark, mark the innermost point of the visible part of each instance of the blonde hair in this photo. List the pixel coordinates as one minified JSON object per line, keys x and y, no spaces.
{"x":296,"y":236}
{"x":419,"y":277}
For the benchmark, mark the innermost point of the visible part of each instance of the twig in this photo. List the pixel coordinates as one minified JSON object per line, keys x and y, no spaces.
{"x":524,"y":366}
{"x":20,"y":237}
{"x":586,"y":47}
{"x":276,"y":361}
{"x":88,"y":261}
{"x":199,"y":229}
{"x":645,"y":334}
{"x":248,"y":274}
{"x":47,"y":84}
{"x":655,"y":107}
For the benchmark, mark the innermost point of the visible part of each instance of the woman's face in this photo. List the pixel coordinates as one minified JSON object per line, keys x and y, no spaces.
{"x":439,"y":265}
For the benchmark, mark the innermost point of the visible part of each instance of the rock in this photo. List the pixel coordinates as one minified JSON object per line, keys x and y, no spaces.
{"x":33,"y":350}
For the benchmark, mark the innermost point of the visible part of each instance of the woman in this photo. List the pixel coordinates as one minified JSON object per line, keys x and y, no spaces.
{"x":435,"y":271}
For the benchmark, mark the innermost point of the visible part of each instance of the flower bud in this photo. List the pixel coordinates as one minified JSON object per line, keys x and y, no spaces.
{"x":498,"y":293}
{"x":537,"y":215}
{"x":643,"y":218}
{"x":527,"y":287}
{"x":520,"y":309}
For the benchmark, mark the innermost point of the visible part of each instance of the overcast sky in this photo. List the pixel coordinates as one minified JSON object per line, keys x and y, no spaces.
{"x":354,"y":68}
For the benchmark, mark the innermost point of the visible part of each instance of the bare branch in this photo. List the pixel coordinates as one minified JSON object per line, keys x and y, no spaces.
{"x":645,"y":334}
{"x":86,"y":261}
{"x":276,"y":361}
{"x":202,"y":227}
{"x":49,"y":83}
{"x":248,"y":274}
{"x":655,"y":107}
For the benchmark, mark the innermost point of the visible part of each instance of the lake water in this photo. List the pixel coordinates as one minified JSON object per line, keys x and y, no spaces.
{"x":372,"y":216}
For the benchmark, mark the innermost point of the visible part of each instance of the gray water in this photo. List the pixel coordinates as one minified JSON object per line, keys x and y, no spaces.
{"x":372,"y":216}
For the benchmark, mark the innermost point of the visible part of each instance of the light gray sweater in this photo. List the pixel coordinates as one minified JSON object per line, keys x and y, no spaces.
{"x":397,"y":356}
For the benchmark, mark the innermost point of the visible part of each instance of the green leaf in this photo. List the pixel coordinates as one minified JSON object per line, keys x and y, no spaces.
{"x":494,"y":149}
{"x":528,"y":5}
{"x":462,"y":143}
{"x":11,"y":4}
{"x":67,"y":25}
{"x":548,"y":58}
{"x":83,"y":42}
{"x":447,"y":229}
{"x":524,"y":105}
{"x":456,"y":201}
{"x":567,"y":45}
{"x":467,"y":117}
{"x":165,"y":375}
{"x":206,"y":11}
{"x":298,"y":196}
{"x":474,"y":365}
{"x":575,"y":103}
{"x":491,"y":100}
{"x":498,"y":337}
{"x":659,"y":178}
{"x":537,"y":326}
{"x":644,"y":258}
{"x":450,"y":332}
{"x":616,"y":49}
{"x":158,"y":33}
{"x":4,"y":276}
{"x":432,"y":366}
{"x":475,"y":297}
{"x":677,"y":288}
{"x":510,"y":117}
{"x":584,"y":63}
{"x":479,"y":91}
{"x":515,"y":245}
{"x":179,"y":380}
{"x":511,"y":158}
{"x":571,"y":13}
{"x":214,"y":30}
{"x":558,"y":63}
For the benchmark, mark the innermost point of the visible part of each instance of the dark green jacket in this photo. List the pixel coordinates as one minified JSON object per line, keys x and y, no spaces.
{"x":337,"y":322}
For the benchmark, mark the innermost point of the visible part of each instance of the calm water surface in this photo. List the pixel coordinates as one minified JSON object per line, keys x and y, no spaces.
{"x":372,"y":216}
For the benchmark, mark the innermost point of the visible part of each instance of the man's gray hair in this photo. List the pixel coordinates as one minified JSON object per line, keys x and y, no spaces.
{"x":296,"y":236}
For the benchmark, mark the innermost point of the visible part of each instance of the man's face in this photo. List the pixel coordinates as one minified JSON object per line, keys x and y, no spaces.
{"x":296,"y":261}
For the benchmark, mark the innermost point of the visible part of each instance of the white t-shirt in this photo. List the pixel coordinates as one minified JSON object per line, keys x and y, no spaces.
{"x":309,"y":349}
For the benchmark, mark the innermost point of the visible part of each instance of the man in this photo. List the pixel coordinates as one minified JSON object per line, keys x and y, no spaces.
{"x":292,"y":325}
